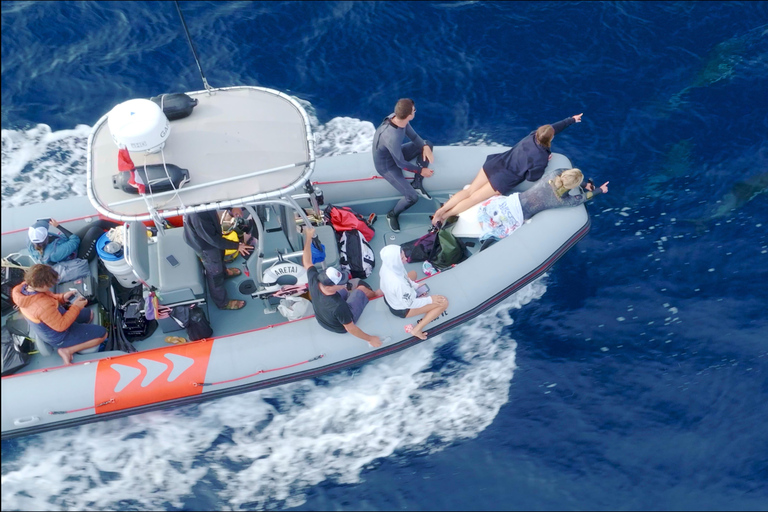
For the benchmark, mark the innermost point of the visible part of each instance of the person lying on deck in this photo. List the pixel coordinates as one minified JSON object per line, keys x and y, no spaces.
{"x":336,"y":308}
{"x":500,"y":216}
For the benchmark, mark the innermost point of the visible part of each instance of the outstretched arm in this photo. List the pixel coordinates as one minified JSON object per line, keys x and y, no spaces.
{"x":373,"y":341}
{"x":306,"y":256}
{"x":565,"y":123}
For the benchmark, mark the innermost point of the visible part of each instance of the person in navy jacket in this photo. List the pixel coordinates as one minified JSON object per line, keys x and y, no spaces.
{"x":501,"y":172}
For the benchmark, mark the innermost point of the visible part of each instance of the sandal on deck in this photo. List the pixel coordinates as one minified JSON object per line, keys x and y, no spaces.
{"x":234,"y":304}
{"x":176,"y":340}
{"x":232,"y":272}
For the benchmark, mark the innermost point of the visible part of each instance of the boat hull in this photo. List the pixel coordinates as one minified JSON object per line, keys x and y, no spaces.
{"x":113,"y":384}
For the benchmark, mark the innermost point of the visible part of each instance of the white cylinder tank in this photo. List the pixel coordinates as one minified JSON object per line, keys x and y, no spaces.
{"x":139,"y":125}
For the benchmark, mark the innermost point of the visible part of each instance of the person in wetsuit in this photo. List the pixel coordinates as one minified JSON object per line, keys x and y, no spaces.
{"x":391,"y":157}
{"x":501,"y":172}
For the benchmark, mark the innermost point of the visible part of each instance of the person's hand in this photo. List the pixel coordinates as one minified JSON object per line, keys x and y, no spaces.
{"x":68,"y":295}
{"x":244,"y":249}
{"x":54,"y":223}
{"x":427,"y":172}
{"x":82,"y":302}
{"x":590,"y":187}
{"x":604,"y":187}
{"x":426,"y":154}
{"x":309,"y":232}
{"x":577,"y":117}
{"x":375,"y":341}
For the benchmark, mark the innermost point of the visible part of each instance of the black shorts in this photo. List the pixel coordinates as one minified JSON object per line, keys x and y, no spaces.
{"x":402,"y":313}
{"x":502,"y":180}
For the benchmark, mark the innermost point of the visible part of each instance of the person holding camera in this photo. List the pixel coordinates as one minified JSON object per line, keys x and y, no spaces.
{"x":49,"y":248}
{"x":403,"y":295}
{"x":68,"y":330}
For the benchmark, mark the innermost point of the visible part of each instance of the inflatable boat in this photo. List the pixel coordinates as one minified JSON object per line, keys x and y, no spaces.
{"x":253,"y":148}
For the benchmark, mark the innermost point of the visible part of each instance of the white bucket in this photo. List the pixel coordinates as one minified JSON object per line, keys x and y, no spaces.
{"x":122,"y":272}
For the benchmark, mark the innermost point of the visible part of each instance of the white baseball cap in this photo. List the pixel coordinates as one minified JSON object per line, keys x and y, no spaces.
{"x":332,"y":277}
{"x":38,"y":235}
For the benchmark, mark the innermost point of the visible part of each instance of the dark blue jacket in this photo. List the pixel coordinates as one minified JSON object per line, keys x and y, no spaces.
{"x":527,"y":159}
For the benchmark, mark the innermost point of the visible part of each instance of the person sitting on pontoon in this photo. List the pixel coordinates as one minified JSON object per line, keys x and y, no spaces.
{"x":336,"y":308}
{"x":49,"y":248}
{"x":401,"y":292}
{"x":500,"y":216}
{"x":391,"y":157}
{"x":70,"y":331}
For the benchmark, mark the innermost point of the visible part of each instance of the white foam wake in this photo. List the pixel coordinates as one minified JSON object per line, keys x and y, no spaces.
{"x":39,"y":165}
{"x":262,"y":450}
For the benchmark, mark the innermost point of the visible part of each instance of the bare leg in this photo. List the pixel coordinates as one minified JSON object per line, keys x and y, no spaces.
{"x":434,"y":310}
{"x":442,"y":213}
{"x":67,"y":353}
{"x":370,"y":293}
{"x":477,"y":197}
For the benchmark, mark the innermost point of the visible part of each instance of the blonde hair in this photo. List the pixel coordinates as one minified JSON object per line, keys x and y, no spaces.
{"x":569,"y":179}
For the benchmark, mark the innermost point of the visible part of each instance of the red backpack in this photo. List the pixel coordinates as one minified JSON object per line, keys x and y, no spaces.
{"x":343,"y":218}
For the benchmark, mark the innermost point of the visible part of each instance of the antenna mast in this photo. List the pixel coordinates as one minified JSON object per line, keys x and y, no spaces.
{"x":192,"y":46}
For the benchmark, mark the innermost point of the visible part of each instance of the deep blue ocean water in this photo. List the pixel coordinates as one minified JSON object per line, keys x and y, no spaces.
{"x":634,"y":375}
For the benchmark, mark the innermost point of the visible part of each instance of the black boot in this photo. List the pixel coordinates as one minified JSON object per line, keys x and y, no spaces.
{"x":418,"y":186}
{"x":394,"y":225}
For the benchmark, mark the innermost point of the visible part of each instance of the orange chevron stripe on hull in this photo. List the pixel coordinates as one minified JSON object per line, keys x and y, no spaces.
{"x":152,"y":376}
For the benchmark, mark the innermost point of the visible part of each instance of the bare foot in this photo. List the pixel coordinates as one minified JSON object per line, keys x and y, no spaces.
{"x":419,"y":334}
{"x":65,"y":356}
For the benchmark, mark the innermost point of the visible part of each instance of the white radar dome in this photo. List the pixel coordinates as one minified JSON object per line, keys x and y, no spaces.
{"x":139,"y":125}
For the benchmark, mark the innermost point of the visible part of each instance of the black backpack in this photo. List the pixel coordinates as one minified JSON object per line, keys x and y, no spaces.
{"x":11,"y":277}
{"x":198,"y":326}
{"x":355,"y":255}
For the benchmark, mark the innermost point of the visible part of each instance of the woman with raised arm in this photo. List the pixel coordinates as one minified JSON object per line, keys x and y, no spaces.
{"x":49,"y":248}
{"x":502,"y":172}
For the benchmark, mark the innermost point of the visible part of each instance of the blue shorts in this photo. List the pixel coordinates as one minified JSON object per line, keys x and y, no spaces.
{"x":356,"y":300}
{"x":79,"y":332}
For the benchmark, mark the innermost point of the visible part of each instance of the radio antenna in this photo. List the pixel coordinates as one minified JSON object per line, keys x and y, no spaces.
{"x":192,"y":46}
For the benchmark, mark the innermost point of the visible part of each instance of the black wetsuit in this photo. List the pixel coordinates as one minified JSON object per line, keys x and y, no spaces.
{"x":391,"y":156}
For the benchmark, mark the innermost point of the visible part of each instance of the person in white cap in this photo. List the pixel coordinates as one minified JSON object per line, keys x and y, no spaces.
{"x":50,"y":248}
{"x":336,"y":308}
